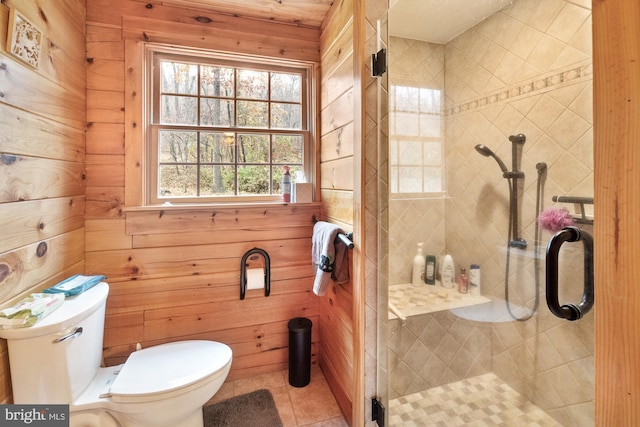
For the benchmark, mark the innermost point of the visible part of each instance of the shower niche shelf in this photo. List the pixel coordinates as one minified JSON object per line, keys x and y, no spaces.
{"x":408,"y":300}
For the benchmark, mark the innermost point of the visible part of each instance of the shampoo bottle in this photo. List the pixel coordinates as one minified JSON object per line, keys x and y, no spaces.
{"x":474,"y":280}
{"x":417,"y":274}
{"x":430,"y":270}
{"x":447,"y":272}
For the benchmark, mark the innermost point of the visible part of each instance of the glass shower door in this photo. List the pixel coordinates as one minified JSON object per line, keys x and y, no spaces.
{"x":490,"y":146}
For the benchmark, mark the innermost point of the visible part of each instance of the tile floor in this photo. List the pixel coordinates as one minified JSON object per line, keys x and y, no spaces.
{"x":481,"y":401}
{"x":310,"y":406}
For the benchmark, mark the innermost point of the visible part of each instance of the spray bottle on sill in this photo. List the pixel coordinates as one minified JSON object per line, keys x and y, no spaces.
{"x":417,"y":273}
{"x":286,"y":185}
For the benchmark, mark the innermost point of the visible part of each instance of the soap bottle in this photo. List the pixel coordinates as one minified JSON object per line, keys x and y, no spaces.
{"x":286,"y":185}
{"x":474,"y":280}
{"x":447,"y":272}
{"x":417,"y":273}
{"x":463,"y":282}
{"x":430,"y":270}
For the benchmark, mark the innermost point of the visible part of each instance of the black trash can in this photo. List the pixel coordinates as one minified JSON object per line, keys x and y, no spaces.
{"x":299,"y":351}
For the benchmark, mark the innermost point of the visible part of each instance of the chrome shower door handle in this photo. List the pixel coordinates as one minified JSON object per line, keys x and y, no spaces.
{"x":569,"y":311}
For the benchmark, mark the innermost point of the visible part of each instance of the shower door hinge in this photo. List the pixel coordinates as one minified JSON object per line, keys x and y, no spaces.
{"x":377,"y":411}
{"x":379,"y":63}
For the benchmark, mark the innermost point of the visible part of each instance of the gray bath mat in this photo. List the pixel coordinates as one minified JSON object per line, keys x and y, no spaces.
{"x":255,"y":409}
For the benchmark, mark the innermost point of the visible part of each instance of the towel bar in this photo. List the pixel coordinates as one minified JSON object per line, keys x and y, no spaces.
{"x":582,"y":218}
{"x":347,"y":239}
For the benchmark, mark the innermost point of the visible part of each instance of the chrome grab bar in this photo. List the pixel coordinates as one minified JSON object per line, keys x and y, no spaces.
{"x":73,"y":334}
{"x":569,"y":311}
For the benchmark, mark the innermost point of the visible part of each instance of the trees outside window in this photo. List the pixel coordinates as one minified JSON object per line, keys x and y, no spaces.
{"x":223,"y":130}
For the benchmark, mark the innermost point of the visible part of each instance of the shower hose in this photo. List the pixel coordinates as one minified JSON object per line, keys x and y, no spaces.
{"x":542,"y":169}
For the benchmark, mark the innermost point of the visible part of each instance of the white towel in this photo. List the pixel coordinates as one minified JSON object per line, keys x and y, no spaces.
{"x":323,"y":254}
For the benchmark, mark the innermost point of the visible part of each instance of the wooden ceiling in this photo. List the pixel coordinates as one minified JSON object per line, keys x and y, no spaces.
{"x":307,"y":13}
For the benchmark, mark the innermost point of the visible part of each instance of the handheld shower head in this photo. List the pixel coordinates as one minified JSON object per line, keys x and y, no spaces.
{"x":541,"y":167}
{"x":486,"y":151}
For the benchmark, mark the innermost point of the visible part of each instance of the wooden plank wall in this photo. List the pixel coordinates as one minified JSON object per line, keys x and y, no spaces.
{"x":338,"y":138}
{"x":616,"y":92}
{"x":42,"y":155}
{"x":175,"y":274}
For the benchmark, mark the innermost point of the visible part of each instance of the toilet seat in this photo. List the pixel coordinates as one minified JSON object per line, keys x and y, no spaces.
{"x":158,"y":372}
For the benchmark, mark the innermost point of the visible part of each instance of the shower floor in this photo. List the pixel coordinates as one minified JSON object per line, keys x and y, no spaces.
{"x":484,"y":400}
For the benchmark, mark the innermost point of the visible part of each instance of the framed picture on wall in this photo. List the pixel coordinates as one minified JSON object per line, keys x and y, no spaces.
{"x":24,"y":40}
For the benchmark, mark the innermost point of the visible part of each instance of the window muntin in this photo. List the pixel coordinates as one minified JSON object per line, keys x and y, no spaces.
{"x":222,"y":130}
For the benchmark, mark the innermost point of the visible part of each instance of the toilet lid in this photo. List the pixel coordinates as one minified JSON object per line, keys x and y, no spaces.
{"x":168,"y":367}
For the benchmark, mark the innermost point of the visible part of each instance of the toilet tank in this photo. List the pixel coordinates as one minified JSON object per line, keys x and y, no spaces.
{"x":46,"y":367}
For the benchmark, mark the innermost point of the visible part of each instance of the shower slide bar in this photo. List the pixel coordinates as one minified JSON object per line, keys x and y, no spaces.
{"x":577,"y":200}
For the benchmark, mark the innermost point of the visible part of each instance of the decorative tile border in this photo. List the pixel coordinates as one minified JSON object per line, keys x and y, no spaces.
{"x":530,"y":88}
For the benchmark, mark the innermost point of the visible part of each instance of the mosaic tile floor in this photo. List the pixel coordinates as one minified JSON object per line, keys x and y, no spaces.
{"x":481,"y":401}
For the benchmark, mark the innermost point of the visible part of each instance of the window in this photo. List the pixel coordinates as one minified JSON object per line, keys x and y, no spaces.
{"x":416,"y":140}
{"x":221,"y":127}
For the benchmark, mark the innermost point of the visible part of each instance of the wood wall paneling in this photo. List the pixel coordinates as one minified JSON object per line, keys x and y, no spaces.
{"x":336,"y":346}
{"x":61,"y":58}
{"x":300,"y":13}
{"x":174,"y":274}
{"x":616,"y":90}
{"x":45,"y":96}
{"x":337,"y":205}
{"x":337,"y":113}
{"x":105,"y":138}
{"x":336,"y":22}
{"x":103,"y":170}
{"x":105,"y":106}
{"x":187,"y":264}
{"x":104,"y":43}
{"x":104,"y":202}
{"x":30,"y":265}
{"x":337,"y":174}
{"x":105,"y":235}
{"x":32,"y":221}
{"x":338,"y":143}
{"x":31,"y":178}
{"x":22,"y":133}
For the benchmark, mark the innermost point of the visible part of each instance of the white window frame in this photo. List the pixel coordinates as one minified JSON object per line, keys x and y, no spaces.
{"x":151,"y":101}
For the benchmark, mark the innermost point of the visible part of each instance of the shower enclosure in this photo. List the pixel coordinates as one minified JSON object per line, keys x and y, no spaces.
{"x":512,"y":84}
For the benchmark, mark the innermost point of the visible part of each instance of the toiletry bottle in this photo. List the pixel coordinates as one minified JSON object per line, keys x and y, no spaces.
{"x":447,"y":272}
{"x":417,"y":274}
{"x":474,"y":280}
{"x":430,"y":270}
{"x":463,"y":282}
{"x":286,"y":185}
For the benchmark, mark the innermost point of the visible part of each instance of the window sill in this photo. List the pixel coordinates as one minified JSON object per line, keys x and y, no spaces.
{"x":203,"y":206}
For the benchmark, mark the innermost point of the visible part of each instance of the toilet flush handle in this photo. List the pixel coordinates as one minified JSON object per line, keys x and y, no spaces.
{"x":73,"y":334}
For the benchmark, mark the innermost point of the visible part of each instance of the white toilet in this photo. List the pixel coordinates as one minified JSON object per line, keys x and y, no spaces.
{"x":57,"y":361}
